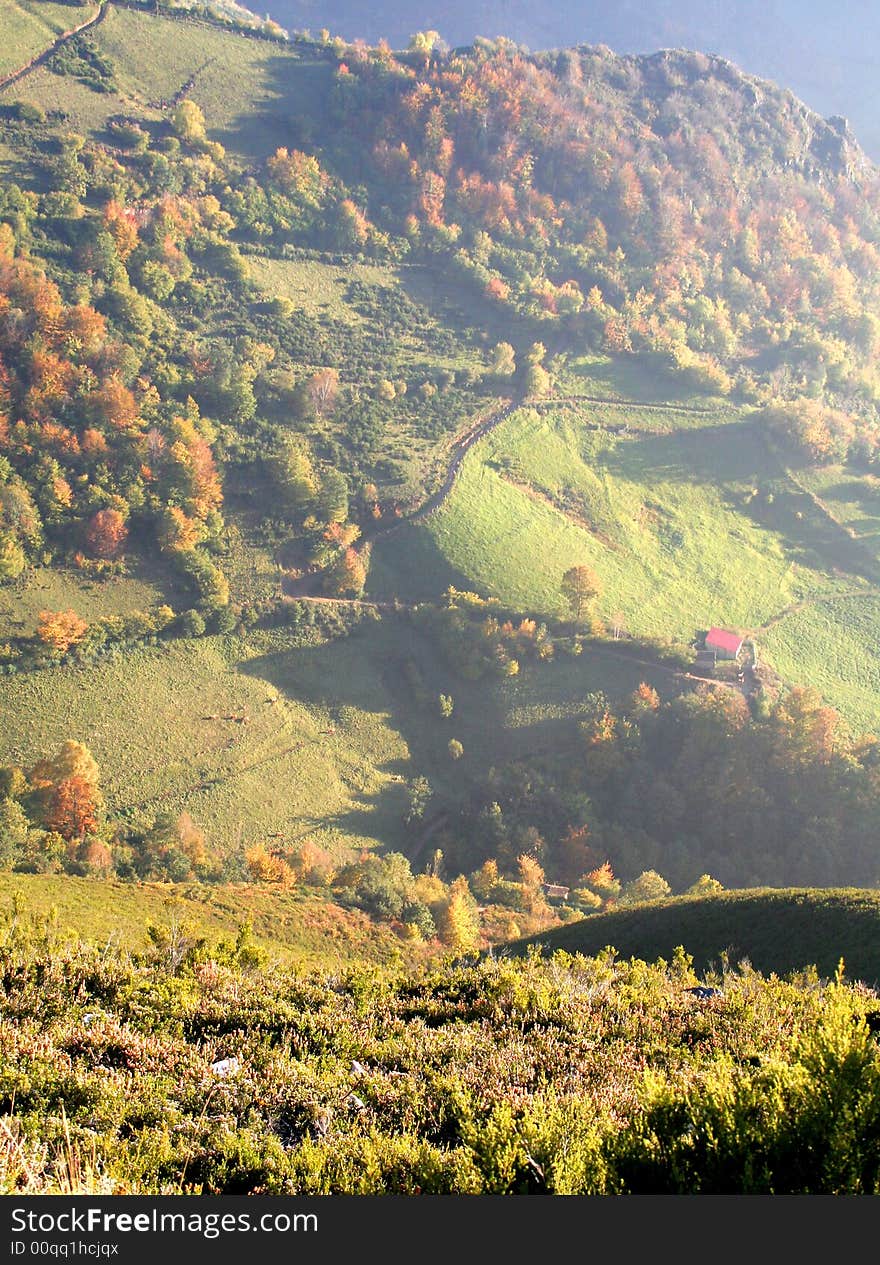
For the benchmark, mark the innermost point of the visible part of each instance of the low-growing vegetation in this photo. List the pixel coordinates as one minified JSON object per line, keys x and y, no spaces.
{"x":190,"y":1067}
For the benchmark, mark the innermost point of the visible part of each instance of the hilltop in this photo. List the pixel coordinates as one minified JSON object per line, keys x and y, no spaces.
{"x":778,"y":932}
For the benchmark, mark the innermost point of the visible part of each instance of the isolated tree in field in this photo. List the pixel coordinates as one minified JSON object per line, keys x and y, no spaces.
{"x":61,"y":629}
{"x":579,"y":586}
{"x":455,"y":749}
{"x":188,"y":122}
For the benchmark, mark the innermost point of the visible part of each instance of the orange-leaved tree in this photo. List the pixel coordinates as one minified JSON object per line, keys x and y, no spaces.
{"x":106,"y":533}
{"x":61,"y":629}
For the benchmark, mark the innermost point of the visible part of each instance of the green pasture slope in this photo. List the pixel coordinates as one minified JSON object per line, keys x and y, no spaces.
{"x":775,"y":930}
{"x":269,"y":734}
{"x":835,"y":647}
{"x":251,"y":91}
{"x":689,"y":519}
{"x":668,"y":520}
{"x":293,"y":926}
{"x":55,"y":588}
{"x":29,"y":27}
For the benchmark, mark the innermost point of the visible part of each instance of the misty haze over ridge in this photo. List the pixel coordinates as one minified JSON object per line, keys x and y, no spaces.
{"x":827,"y":54}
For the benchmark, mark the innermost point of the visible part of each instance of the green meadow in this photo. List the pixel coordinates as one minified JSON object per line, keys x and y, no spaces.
{"x":292,"y":925}
{"x":30,"y":26}
{"x":834,"y":647}
{"x":317,"y":287}
{"x":53,"y":589}
{"x":250,"y":90}
{"x":271,"y":735}
{"x":673,"y":523}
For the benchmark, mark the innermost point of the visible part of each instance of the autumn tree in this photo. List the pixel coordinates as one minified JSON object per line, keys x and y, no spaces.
{"x":60,"y":630}
{"x":348,"y":575}
{"x":458,"y":925}
{"x":265,"y":866}
{"x":106,"y":534}
{"x":531,"y":878}
{"x":73,"y":809}
{"x":580,"y":584}
{"x":65,"y":791}
{"x":299,"y":175}
{"x":188,"y":122}
{"x":323,"y":388}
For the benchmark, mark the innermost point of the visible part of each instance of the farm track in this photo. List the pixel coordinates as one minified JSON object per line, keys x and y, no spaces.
{"x":61,"y":40}
{"x":693,"y":410}
{"x":299,"y":586}
{"x":818,"y":599}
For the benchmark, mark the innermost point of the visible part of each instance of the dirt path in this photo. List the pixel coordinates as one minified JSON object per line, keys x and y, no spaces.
{"x":817,"y":599}
{"x":460,"y":448}
{"x":300,"y":586}
{"x":653,"y":405}
{"x":44,"y":56}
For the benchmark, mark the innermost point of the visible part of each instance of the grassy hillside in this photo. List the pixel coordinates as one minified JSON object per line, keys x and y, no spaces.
{"x":30,"y":26}
{"x":834,"y":647}
{"x":777,"y":931}
{"x":291,"y":926}
{"x":245,"y":87}
{"x":676,"y":524}
{"x":689,"y":520}
{"x":53,"y":588}
{"x":266,"y":734}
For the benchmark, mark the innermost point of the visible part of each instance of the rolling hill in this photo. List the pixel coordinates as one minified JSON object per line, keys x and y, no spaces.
{"x":775,"y":932}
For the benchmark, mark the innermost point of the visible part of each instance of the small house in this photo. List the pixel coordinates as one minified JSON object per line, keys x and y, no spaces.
{"x":723,"y":644}
{"x":555,"y":891}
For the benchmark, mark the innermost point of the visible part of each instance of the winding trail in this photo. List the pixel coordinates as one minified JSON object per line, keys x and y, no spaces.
{"x":817,"y":599}
{"x":62,"y":39}
{"x":300,"y":586}
{"x":460,"y":448}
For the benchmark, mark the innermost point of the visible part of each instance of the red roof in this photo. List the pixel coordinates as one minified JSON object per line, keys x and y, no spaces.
{"x":721,"y":639}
